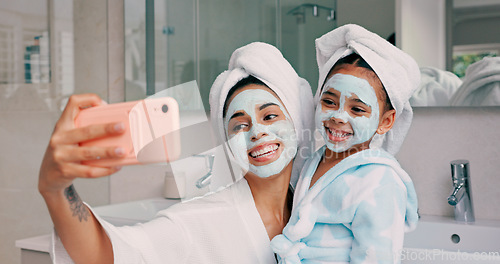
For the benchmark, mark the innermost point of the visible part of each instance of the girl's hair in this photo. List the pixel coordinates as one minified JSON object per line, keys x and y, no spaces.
{"x":355,"y":60}
{"x":240,"y":84}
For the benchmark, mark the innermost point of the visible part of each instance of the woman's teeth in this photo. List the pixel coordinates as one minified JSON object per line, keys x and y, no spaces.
{"x":268,"y":150}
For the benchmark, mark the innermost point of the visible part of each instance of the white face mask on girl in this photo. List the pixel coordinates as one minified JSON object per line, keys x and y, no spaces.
{"x":278,"y":135}
{"x":363,"y":127}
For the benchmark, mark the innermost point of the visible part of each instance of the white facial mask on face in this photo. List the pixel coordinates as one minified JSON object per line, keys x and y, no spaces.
{"x":363,"y":127}
{"x":281,"y":131}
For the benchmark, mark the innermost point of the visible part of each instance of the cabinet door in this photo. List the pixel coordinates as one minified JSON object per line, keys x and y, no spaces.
{"x":34,"y":257}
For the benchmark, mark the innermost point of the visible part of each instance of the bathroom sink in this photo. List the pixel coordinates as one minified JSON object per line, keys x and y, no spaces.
{"x":443,"y":240}
{"x":130,"y":213}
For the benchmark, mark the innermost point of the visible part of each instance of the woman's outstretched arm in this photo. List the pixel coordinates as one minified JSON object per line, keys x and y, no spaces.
{"x":81,"y":234}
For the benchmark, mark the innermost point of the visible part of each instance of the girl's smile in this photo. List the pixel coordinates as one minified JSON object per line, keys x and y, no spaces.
{"x":337,"y":136}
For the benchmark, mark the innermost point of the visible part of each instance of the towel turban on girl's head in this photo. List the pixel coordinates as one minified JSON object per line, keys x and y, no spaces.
{"x":266,"y":63}
{"x":398,"y":72}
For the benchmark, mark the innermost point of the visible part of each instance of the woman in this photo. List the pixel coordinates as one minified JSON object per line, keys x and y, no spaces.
{"x":263,"y":117}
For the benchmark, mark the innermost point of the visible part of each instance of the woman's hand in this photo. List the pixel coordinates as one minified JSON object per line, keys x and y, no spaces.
{"x":62,"y":161}
{"x":78,"y":229}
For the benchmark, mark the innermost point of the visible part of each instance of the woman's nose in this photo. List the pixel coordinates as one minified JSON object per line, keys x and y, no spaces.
{"x":258,"y":136}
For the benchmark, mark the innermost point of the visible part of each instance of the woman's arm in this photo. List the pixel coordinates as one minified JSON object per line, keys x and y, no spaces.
{"x":83,"y":237}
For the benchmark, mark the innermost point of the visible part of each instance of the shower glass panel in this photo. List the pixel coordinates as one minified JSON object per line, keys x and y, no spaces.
{"x":135,"y":47}
{"x":194,"y":39}
{"x":226,"y":25}
{"x":301,"y":23}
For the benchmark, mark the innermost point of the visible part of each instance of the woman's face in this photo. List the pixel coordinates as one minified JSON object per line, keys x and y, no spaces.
{"x":260,"y":131}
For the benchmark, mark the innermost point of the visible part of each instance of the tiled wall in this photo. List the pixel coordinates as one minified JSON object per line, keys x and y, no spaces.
{"x":24,"y":136}
{"x":26,"y":122}
{"x":440,"y":135}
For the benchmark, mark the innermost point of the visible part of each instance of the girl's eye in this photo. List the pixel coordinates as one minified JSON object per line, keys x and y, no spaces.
{"x":270,"y":117}
{"x":239,"y":127}
{"x":358,"y":110}
{"x":328,"y":102}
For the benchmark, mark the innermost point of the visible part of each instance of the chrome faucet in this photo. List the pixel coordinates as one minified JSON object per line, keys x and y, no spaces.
{"x":207,"y":178}
{"x":461,"y":197}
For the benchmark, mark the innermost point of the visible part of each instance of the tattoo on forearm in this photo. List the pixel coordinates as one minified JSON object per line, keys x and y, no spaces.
{"x":77,"y":207}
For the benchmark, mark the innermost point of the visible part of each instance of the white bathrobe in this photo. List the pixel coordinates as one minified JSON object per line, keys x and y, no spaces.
{"x":357,"y":212}
{"x":222,"y":228}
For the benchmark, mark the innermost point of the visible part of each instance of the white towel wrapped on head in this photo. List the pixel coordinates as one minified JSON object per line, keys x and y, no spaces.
{"x":398,"y":72}
{"x":481,"y":86}
{"x":436,"y":87}
{"x":266,"y":63}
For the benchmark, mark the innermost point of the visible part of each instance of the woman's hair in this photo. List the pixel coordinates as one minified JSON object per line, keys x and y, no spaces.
{"x":240,"y":84}
{"x":355,"y":60}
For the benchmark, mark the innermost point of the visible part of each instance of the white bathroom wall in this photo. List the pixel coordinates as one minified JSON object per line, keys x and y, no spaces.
{"x":440,"y":135}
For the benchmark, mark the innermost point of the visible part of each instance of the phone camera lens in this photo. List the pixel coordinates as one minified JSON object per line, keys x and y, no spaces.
{"x":164,"y":108}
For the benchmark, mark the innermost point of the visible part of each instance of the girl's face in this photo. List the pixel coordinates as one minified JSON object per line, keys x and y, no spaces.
{"x":348,"y":113}
{"x":260,"y":132}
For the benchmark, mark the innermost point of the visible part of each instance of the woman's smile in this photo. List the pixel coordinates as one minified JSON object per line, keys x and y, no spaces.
{"x":265,"y":153}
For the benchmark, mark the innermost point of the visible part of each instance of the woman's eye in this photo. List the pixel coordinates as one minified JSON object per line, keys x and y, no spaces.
{"x":328,"y":102}
{"x":239,"y":127}
{"x":270,"y":117}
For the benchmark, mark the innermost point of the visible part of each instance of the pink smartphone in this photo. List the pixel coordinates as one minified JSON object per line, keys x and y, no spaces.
{"x":151,"y":130}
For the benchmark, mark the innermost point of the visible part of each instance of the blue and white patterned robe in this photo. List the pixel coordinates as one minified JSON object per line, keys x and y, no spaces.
{"x":356,"y":213}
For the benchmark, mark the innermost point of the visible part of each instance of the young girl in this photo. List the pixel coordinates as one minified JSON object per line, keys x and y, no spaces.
{"x":353,"y":201}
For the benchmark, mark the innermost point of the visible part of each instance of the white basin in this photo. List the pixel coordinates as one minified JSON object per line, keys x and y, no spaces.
{"x":130,"y":213}
{"x":443,"y":240}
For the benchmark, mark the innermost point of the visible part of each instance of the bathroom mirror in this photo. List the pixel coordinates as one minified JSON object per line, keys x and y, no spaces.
{"x":473,"y":24}
{"x":446,"y":37}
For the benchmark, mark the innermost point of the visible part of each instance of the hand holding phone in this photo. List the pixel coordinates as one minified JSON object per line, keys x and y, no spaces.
{"x":152,"y":130}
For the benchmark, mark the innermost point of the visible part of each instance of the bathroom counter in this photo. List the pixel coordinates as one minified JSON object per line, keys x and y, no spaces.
{"x":35,"y":250}
{"x":39,"y":243}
